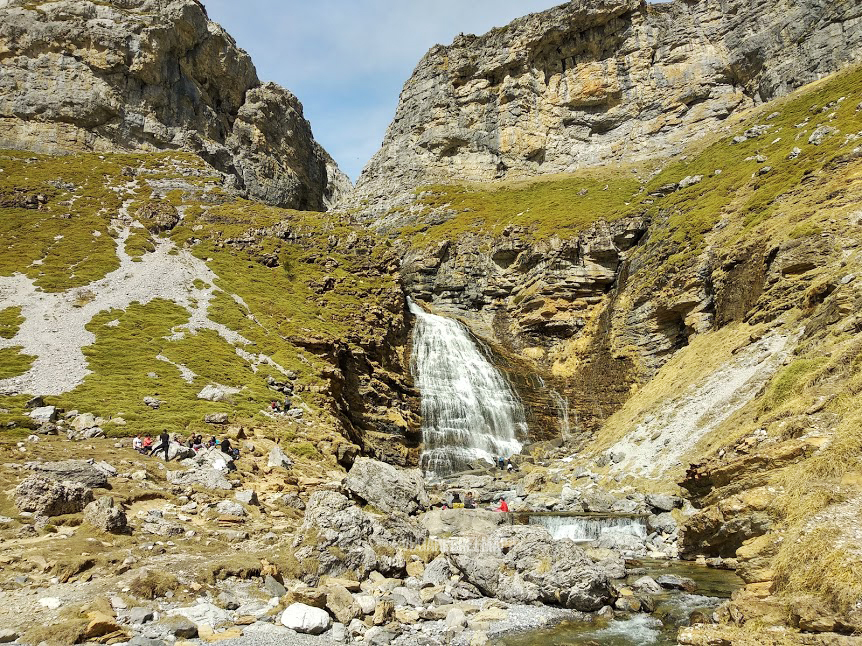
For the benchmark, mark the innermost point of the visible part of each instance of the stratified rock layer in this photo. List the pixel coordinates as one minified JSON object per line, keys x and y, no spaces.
{"x":155,"y":75}
{"x":596,"y":81}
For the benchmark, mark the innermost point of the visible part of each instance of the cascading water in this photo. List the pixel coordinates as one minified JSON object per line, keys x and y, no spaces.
{"x":469,"y":411}
{"x":563,"y":414}
{"x":587,"y":528}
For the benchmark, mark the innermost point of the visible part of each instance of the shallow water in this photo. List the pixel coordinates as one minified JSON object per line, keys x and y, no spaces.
{"x":658,"y":629}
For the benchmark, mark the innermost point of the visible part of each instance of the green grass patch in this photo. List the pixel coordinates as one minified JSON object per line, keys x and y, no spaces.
{"x":790,"y":382}
{"x":562,"y":206}
{"x":138,"y":243}
{"x":10,"y":322}
{"x":13,"y":363}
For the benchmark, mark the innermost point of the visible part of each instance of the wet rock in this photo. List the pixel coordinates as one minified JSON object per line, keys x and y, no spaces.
{"x":106,"y":515}
{"x":48,"y":497}
{"x":306,"y":619}
{"x":672,"y":582}
{"x":647,"y":584}
{"x":386,"y":487}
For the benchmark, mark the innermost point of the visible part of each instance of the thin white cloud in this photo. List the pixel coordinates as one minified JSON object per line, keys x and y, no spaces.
{"x":347,"y":60}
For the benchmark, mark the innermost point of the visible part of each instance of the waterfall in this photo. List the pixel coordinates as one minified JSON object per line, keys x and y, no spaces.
{"x":469,"y":411}
{"x":589,"y":528}
{"x":562,"y":413}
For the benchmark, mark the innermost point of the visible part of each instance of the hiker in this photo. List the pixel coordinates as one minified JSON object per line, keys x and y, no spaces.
{"x":286,"y":406}
{"x":147,"y":444}
{"x":212,"y":442}
{"x":198,"y":443}
{"x":510,"y":467}
{"x":501,"y":463}
{"x":165,"y":443}
{"x":469,"y":502}
{"x":503,"y":506}
{"x":137,"y":443}
{"x":225,"y":446}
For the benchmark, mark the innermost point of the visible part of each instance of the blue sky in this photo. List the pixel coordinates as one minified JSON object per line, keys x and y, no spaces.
{"x":347,"y":60}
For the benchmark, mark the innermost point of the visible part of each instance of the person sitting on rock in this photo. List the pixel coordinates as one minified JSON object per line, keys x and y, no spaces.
{"x":212,"y":442}
{"x":469,"y":502}
{"x":198,"y":443}
{"x":503,"y":506}
{"x":137,"y":443}
{"x":147,"y":444}
{"x":225,"y":446}
{"x":509,"y":466}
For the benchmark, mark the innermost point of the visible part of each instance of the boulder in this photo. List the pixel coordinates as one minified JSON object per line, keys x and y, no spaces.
{"x":278,"y":458}
{"x":177,"y":451}
{"x":386,"y":487}
{"x":230,"y":508}
{"x":341,"y":605}
{"x":213,"y":393}
{"x":44,"y":414}
{"x":438,"y":572}
{"x":306,"y":619}
{"x":84,"y":421}
{"x":247,"y":497}
{"x":663,"y":502}
{"x":206,"y":478}
{"x":462,"y":522}
{"x":647,"y":584}
{"x":274,"y":586}
{"x":48,"y":497}
{"x":216,"y":418}
{"x":140,"y":615}
{"x":672,"y":582}
{"x":81,"y":471}
{"x":536,"y":568}
{"x":210,"y":458}
{"x":106,"y":515}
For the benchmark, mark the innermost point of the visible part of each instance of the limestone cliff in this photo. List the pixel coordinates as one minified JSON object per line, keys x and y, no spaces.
{"x":591,"y":82}
{"x":155,"y":75}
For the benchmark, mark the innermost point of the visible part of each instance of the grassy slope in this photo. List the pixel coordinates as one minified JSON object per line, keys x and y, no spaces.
{"x":84,"y":192}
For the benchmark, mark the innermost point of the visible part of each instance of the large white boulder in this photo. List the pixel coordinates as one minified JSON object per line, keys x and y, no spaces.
{"x":306,"y":619}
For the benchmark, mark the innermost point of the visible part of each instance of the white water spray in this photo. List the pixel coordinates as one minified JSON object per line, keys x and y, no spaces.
{"x":469,"y":411}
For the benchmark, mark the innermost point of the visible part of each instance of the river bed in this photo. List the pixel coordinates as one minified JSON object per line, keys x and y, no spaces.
{"x":673,"y":610}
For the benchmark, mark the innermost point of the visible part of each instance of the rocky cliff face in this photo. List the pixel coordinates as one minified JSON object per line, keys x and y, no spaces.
{"x":593,"y":82}
{"x":155,"y":75}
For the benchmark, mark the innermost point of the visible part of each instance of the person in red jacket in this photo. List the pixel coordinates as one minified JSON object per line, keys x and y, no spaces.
{"x":503,"y":506}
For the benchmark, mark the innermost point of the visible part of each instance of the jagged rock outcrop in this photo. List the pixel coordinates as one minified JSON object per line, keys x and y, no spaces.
{"x":155,"y":75}
{"x":592,"y":82}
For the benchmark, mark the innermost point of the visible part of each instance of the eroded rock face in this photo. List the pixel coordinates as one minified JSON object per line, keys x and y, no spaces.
{"x":340,"y":536}
{"x":591,"y":82}
{"x":387,"y":488}
{"x":155,"y":75}
{"x":47,"y":497}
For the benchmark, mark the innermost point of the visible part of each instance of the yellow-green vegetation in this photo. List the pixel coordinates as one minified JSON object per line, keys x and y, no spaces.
{"x":283,"y":283}
{"x":13,"y":362}
{"x":139,"y":243}
{"x":561,"y":205}
{"x":789,"y":382}
{"x":731,"y":186}
{"x":152,"y":584}
{"x":55,"y":212}
{"x":10,"y":322}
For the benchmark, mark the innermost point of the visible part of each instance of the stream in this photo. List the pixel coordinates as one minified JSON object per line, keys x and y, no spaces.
{"x":673,"y":610}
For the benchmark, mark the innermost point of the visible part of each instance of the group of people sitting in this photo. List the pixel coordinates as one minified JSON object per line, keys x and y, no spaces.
{"x":469,"y":502}
{"x":278,"y":407}
{"x":146,"y":446}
